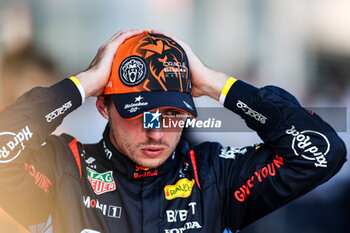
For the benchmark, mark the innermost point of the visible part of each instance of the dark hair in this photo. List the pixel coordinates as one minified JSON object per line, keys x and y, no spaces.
{"x":107,"y":100}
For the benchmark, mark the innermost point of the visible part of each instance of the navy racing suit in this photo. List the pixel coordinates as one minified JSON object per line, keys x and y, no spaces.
{"x":56,"y":184}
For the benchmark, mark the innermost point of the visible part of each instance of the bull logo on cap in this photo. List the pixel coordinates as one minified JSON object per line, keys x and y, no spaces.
{"x":132,"y":71}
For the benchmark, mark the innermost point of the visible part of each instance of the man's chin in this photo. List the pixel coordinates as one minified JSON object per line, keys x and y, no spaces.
{"x":151,"y":163}
{"x":152,"y":159}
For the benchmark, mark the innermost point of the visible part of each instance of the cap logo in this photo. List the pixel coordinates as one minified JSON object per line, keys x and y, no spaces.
{"x":187,"y":105}
{"x":132,"y":71}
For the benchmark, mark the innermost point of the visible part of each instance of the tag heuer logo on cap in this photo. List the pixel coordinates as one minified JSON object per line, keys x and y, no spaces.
{"x":132,"y":71}
{"x":101,"y":182}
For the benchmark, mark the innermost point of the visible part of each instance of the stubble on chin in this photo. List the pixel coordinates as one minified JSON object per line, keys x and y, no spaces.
{"x":134,"y":153}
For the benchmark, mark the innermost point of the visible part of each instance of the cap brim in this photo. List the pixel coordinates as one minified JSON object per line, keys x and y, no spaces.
{"x":132,"y":105}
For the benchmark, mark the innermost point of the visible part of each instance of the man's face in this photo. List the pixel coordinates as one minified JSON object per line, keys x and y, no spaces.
{"x":148,"y":148}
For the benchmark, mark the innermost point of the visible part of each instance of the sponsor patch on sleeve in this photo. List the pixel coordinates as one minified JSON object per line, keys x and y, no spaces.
{"x":12,"y":144}
{"x":307,"y":144}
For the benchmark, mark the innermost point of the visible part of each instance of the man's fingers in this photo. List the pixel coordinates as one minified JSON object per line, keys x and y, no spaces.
{"x":172,"y":36}
{"x":120,"y":33}
{"x":156,"y":31}
{"x":118,"y":39}
{"x":113,"y":44}
{"x":121,"y":36}
{"x":107,"y":51}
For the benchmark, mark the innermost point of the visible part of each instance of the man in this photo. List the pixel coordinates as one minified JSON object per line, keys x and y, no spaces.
{"x":145,"y":180}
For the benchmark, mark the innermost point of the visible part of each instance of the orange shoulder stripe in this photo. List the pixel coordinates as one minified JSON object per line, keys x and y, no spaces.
{"x":74,"y":148}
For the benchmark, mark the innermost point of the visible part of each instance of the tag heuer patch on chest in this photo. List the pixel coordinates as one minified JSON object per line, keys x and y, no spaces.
{"x":101,"y":182}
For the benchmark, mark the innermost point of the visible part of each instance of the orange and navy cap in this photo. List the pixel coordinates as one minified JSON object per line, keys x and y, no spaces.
{"x":150,"y":71}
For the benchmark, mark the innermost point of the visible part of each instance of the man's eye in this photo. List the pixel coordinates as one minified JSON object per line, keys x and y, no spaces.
{"x":169,"y":113}
{"x":172,"y":113}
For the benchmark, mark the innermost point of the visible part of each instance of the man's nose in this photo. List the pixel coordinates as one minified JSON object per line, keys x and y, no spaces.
{"x":155,"y":134}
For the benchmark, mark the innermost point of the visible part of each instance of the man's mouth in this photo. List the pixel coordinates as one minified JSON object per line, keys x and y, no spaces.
{"x":152,"y":151}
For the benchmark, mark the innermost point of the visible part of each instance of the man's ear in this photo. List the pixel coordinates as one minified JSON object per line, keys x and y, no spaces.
{"x":102,"y":107}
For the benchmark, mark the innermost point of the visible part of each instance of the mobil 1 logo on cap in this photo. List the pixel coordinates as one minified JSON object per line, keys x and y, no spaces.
{"x":132,"y":71}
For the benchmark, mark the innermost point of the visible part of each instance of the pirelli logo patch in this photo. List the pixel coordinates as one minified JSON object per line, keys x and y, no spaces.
{"x":182,"y":188}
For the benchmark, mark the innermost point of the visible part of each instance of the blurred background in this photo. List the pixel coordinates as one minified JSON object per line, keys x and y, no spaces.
{"x":301,"y":46}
